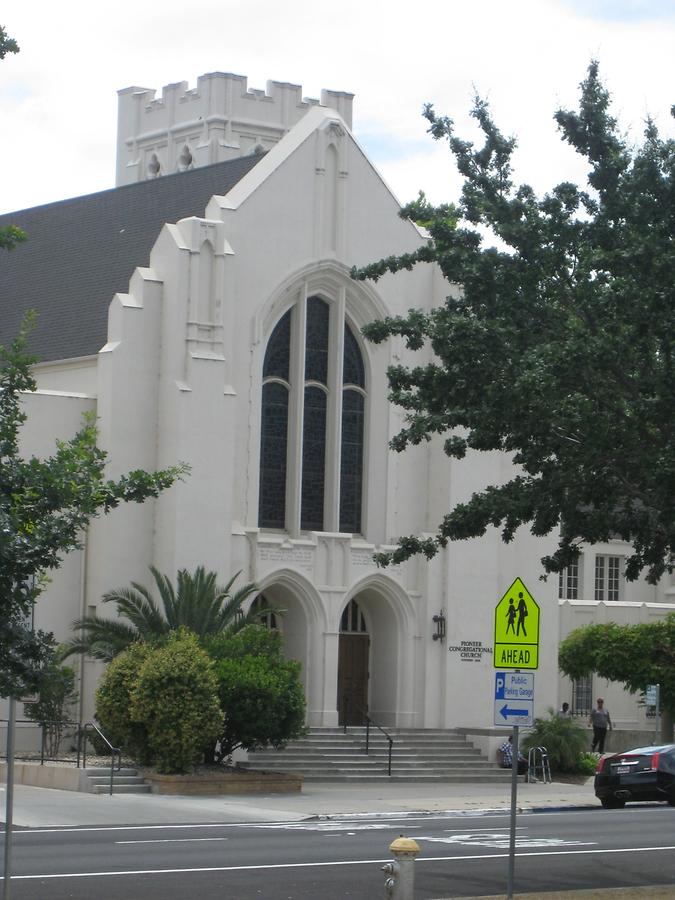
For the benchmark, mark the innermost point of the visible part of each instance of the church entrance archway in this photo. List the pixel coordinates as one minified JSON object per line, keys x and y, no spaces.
{"x":353,"y":661}
{"x":282,"y":607}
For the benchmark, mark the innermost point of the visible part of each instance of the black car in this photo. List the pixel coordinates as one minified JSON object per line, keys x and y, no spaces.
{"x":647,"y":773}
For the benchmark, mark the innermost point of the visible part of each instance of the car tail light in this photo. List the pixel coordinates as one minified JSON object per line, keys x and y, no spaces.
{"x":655,"y":760}
{"x":600,"y":766}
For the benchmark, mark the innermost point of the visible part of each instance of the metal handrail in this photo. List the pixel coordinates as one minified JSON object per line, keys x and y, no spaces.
{"x":42,"y":726}
{"x":115,"y":752}
{"x":369,"y":722}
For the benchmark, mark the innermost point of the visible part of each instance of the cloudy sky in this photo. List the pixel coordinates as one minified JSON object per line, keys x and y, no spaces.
{"x":58,"y":99}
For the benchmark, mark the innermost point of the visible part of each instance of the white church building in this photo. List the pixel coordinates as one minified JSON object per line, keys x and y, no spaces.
{"x":204,"y":311}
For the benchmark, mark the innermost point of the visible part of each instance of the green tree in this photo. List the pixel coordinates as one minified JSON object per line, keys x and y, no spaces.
{"x":559,"y":346}
{"x":45,"y":504}
{"x":10,"y":235}
{"x":260,"y":692}
{"x":176,"y":699}
{"x":634,"y":655}
{"x":197,"y":602}
{"x":56,"y":699}
{"x":7,"y":44}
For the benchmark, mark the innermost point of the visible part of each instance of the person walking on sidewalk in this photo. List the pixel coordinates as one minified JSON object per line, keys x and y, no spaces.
{"x":601,"y":722}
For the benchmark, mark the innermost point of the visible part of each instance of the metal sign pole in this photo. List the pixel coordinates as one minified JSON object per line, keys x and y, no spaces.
{"x":514,"y":795}
{"x":657,"y":717}
{"x":9,"y":804}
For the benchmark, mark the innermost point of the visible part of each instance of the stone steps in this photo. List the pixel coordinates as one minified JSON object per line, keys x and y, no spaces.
{"x":330,"y":754}
{"x":125,"y":781}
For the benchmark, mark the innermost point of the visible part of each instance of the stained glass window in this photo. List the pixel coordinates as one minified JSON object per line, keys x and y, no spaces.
{"x":316,"y":342}
{"x":353,"y":371}
{"x":351,"y":461}
{"x":274,"y":427}
{"x":274,"y":437}
{"x":313,"y":459}
{"x":352,"y":618}
{"x":278,"y":352}
{"x":304,"y":477}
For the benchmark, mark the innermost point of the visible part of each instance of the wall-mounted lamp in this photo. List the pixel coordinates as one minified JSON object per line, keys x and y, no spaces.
{"x":439,"y":622}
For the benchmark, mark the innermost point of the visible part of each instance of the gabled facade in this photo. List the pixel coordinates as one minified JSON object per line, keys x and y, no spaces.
{"x":204,"y":310}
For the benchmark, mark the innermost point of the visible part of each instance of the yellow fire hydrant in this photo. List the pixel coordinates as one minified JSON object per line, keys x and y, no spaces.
{"x":400,"y":880}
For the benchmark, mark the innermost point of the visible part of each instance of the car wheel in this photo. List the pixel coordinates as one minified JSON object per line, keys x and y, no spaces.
{"x":612,"y":803}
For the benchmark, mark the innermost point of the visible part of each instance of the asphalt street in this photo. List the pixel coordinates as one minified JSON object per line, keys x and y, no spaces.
{"x":341,"y":857}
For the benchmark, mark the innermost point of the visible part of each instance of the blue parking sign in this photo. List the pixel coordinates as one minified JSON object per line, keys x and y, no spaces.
{"x":514,"y":698}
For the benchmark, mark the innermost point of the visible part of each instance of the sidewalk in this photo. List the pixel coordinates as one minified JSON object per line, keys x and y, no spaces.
{"x":35,"y":807}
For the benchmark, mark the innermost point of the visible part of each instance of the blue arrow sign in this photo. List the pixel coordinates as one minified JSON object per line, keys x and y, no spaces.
{"x":506,"y":712}
{"x":514,"y":699}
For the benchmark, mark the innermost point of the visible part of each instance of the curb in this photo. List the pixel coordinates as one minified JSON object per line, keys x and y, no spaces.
{"x":455,"y":813}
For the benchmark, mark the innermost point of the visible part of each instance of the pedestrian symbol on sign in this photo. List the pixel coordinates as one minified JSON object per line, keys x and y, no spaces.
{"x":516,"y":629}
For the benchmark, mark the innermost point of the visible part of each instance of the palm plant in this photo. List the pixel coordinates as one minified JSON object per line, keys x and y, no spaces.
{"x":197,"y":603}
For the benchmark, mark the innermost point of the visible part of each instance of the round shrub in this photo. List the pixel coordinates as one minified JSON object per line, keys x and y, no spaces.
{"x":176,"y":699}
{"x":260,"y":692}
{"x":113,"y":703}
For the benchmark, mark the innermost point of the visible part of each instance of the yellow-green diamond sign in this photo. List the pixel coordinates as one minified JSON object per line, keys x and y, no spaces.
{"x":516,"y":629}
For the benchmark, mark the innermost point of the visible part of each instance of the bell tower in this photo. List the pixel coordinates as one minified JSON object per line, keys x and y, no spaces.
{"x":218,"y":120}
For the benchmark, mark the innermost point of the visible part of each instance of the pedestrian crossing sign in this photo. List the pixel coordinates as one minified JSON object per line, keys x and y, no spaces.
{"x":516,"y":629}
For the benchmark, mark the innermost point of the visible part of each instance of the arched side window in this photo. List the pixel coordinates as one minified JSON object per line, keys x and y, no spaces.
{"x":312,"y":428}
{"x":352,"y":620}
{"x":274,"y":428}
{"x":351,"y":455}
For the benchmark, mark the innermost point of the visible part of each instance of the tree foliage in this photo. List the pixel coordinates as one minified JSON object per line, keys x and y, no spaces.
{"x":45,"y":504}
{"x":558,"y":348}
{"x":54,"y":709}
{"x":260,"y":692}
{"x":10,"y":235}
{"x":197,"y":602}
{"x":156,"y":699}
{"x":634,"y":655}
{"x":7,"y":44}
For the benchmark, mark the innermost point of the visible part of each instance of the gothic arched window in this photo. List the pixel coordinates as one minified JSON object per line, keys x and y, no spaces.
{"x":312,"y":429}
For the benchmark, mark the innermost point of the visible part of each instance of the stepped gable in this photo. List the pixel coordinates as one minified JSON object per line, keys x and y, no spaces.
{"x":82,"y":251}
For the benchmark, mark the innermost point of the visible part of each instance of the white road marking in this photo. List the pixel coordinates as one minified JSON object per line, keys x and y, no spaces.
{"x":432,"y":817}
{"x":349,"y":862}
{"x":173,"y":840}
{"x":497,"y":841}
{"x":336,"y":826}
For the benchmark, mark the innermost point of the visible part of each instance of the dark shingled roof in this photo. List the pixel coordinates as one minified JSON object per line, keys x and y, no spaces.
{"x":80,"y":252}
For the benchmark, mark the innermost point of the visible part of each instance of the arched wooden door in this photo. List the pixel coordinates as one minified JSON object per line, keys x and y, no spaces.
{"x":353,"y":672}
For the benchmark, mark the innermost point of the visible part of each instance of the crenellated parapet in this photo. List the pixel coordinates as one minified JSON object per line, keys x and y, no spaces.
{"x":218,"y":120}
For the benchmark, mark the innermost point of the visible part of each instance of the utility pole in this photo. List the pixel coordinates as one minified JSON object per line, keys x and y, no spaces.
{"x":9,"y":801}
